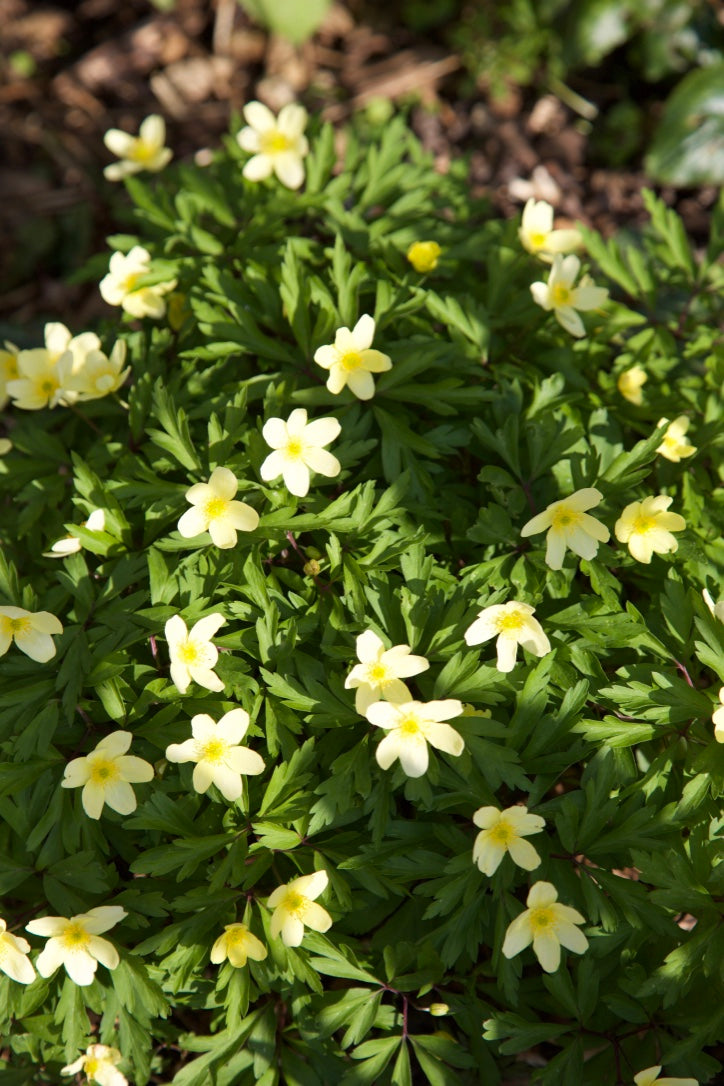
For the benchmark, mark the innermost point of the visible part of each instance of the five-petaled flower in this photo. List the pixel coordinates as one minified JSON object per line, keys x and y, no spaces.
{"x":673,"y":445}
{"x":537,"y":235}
{"x":278,"y":144}
{"x":650,"y":1077}
{"x":106,"y":775}
{"x":32,"y":632}
{"x":145,"y":151}
{"x":630,"y":384}
{"x":74,"y":942}
{"x":424,"y":255}
{"x":350,"y":360}
{"x":298,"y":447}
{"x":410,"y":726}
{"x":41,"y":381}
{"x":213,"y":510}
{"x":504,"y":831}
{"x":646,"y":527}
{"x":98,"y":1065}
{"x":14,"y":960}
{"x":193,"y":657}
{"x":717,"y":718}
{"x":120,"y":285}
{"x":99,"y":374}
{"x":215,"y":749}
{"x":237,"y":944}
{"x":295,"y":908}
{"x":568,"y":525}
{"x":380,"y":671}
{"x":560,"y":294}
{"x":513,"y":624}
{"x":546,"y":924}
{"x":71,"y":544}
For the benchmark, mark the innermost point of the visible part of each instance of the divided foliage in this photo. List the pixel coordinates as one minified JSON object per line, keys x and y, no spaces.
{"x":490,"y":411}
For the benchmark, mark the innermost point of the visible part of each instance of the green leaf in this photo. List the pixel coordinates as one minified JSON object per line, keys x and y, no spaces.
{"x":688,"y":146}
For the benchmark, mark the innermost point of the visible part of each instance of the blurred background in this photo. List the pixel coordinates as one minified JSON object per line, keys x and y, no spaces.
{"x":579,"y":102}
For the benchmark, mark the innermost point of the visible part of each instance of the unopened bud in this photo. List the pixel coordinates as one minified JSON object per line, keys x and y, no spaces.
{"x":437,"y":1010}
{"x":312,"y":567}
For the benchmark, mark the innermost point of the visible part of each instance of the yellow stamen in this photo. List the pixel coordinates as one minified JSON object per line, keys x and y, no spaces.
{"x":565,"y":518}
{"x":642,"y":525}
{"x":377,"y":673}
{"x":542,"y":918}
{"x":561,"y":295}
{"x":410,"y":725}
{"x":294,"y":448}
{"x":215,"y":507}
{"x":103,"y":770}
{"x":352,"y":360}
{"x":274,"y":142}
{"x":75,"y":936}
{"x":502,"y":834}
{"x":511,"y":621}
{"x":213,"y":751}
{"x":188,"y":652}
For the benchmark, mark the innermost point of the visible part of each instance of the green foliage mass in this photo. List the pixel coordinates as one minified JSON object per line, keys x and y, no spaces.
{"x":490,"y":412}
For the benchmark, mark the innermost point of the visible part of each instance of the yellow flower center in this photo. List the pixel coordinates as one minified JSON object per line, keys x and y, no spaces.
{"x":541,"y":919}
{"x":274,"y":142}
{"x":18,"y":625}
{"x":294,"y":448}
{"x":537,"y":240}
{"x":511,"y":621}
{"x":561,"y":295}
{"x":215,"y":507}
{"x":352,"y":360}
{"x":376,"y":674}
{"x":213,"y":751}
{"x":129,"y":283}
{"x":189,"y":652}
{"x":142,"y":151}
{"x":236,"y":935}
{"x":642,"y":525}
{"x":75,"y":936}
{"x":565,"y":518}
{"x":502,"y":834}
{"x":103,"y":770}
{"x":410,"y":725}
{"x":91,"y":1066}
{"x":295,"y":903}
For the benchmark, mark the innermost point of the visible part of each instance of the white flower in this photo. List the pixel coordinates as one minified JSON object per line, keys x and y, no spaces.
{"x":193,"y":657}
{"x":560,"y":295}
{"x":145,"y":151}
{"x":41,"y":381}
{"x":537,"y":235}
{"x":380,"y":670}
{"x":295,"y":907}
{"x":548,"y":925}
{"x":99,"y":374}
{"x":630,"y":383}
{"x":106,"y":775}
{"x":568,"y":525}
{"x":717,"y":718}
{"x":411,"y":725}
{"x":646,"y":527}
{"x":8,"y":371}
{"x":504,"y":831}
{"x":350,"y":360}
{"x":98,"y":1065}
{"x":673,"y":445}
{"x":74,"y":942}
{"x":213,"y":510}
{"x":278,"y":144}
{"x":512,"y":623}
{"x":237,"y":944}
{"x":651,"y":1075}
{"x":71,"y":544}
{"x":716,"y":609}
{"x":14,"y":961}
{"x":32,"y":632}
{"x":298,"y":447}
{"x":215,"y":749}
{"x":120,"y":287}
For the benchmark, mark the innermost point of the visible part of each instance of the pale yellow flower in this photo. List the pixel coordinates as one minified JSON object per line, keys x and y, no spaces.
{"x":145,"y":151}
{"x":120,"y":285}
{"x":32,"y":632}
{"x":537,"y":235}
{"x":569,"y":526}
{"x":546,"y":924}
{"x":237,"y":944}
{"x":630,"y":383}
{"x":216,"y":750}
{"x":504,"y":831}
{"x":41,"y":381}
{"x":717,"y":718}
{"x":513,"y":624}
{"x":213,"y":510}
{"x":298,"y":447}
{"x":71,"y":544}
{"x":106,"y":775}
{"x":565,"y":299}
{"x":8,"y":371}
{"x":278,"y":144}
{"x":193,"y":657}
{"x":650,"y":1076}
{"x":14,"y":960}
{"x":98,"y":1065}
{"x":59,"y":339}
{"x":74,"y":942}
{"x":99,"y":374}
{"x":673,"y":446}
{"x":716,"y":609}
{"x":424,"y":255}
{"x":380,"y":671}
{"x":5,"y":446}
{"x":410,"y":726}
{"x":646,"y":527}
{"x":350,"y":360}
{"x":295,"y":908}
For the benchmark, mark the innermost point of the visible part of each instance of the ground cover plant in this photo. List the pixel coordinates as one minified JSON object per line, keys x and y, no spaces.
{"x":362,"y":637}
